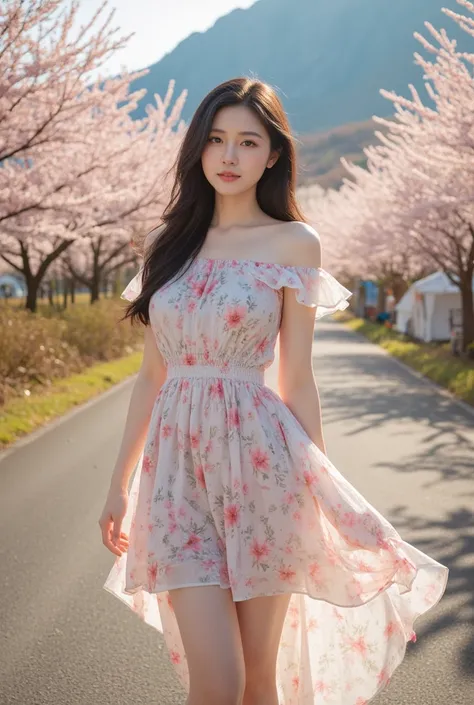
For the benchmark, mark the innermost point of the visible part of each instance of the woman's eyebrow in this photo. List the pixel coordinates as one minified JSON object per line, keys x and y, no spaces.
{"x":247,"y":132}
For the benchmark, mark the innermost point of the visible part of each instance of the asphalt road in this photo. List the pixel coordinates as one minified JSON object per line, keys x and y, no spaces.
{"x":64,"y":640}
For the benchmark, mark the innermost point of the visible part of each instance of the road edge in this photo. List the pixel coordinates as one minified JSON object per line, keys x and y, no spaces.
{"x":58,"y":421}
{"x":420,"y":377}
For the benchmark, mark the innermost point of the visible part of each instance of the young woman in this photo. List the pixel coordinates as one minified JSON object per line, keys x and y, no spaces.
{"x":273,"y":580}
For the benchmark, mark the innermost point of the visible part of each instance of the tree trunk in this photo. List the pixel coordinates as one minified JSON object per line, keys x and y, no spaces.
{"x":32,"y":286}
{"x":381,"y":298}
{"x":95,"y":286}
{"x":360,"y":312}
{"x":35,"y":280}
{"x":96,"y":276}
{"x":467,"y":304}
{"x":72,"y":289}
{"x":399,"y":287}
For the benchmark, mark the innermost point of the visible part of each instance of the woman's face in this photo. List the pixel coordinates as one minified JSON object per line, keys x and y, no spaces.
{"x":238,"y":144}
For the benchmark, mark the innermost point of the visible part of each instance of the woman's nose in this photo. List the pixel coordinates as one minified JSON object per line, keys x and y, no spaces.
{"x":229,"y":156}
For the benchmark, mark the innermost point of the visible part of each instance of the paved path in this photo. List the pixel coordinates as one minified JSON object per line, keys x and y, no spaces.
{"x":65,"y":641}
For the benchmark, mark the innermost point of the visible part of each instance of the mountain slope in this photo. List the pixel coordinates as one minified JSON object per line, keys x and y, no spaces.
{"x":319,"y":154}
{"x":328,"y":58}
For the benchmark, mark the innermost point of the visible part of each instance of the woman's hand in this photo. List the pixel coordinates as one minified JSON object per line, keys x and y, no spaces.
{"x":110,"y":522}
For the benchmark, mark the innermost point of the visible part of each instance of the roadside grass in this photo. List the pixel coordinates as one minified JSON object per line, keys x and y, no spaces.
{"x":434,"y":361}
{"x":20,"y":416}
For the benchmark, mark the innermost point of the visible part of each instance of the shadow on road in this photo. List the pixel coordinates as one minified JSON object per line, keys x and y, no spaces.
{"x":451,"y":540}
{"x":414,"y":429}
{"x":369,"y":390}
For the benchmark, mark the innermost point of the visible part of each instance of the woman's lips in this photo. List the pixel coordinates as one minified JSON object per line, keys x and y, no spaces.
{"x":228,"y":177}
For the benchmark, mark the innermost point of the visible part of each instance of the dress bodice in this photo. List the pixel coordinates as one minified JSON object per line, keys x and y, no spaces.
{"x":228,"y":311}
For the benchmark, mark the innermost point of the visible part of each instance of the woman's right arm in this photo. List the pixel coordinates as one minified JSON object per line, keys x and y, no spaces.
{"x":145,"y":390}
{"x":149,"y":381}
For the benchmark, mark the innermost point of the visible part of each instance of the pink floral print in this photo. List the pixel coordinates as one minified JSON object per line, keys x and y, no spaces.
{"x":231,"y":491}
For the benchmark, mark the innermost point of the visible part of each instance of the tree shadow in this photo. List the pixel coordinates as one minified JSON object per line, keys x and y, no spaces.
{"x":367,"y":394}
{"x":450,"y":539}
{"x":364,"y":389}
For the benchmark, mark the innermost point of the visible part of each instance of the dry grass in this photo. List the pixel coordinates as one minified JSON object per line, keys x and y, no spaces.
{"x":37,"y":349}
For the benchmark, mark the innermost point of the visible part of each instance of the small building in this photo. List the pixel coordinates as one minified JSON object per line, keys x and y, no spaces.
{"x":427,"y":309}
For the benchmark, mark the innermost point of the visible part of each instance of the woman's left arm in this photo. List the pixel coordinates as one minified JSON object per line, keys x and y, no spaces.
{"x":296,"y":383}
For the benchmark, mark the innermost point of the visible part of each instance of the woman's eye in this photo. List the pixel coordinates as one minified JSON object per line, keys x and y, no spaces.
{"x":216,"y":140}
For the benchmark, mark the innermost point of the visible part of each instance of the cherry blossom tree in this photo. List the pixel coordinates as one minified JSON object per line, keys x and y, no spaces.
{"x":44,"y":87}
{"x":73,"y":159}
{"x":360,"y":237}
{"x":412,"y":207}
{"x":139,"y":182}
{"x":431,"y":161}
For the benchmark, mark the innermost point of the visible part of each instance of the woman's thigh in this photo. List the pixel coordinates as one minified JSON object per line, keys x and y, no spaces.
{"x":261,"y":622}
{"x":209,"y":628}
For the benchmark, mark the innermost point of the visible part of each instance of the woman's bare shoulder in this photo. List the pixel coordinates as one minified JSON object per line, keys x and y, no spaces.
{"x":300,"y":244}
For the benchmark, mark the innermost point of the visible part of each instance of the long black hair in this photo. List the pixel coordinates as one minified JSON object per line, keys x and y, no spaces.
{"x":188,"y":216}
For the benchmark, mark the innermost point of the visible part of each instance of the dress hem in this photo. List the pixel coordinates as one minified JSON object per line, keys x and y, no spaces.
{"x":408,"y":588}
{"x":400,"y":660}
{"x":395,"y":666}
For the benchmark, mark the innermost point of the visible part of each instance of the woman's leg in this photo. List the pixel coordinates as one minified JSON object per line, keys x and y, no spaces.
{"x":207,"y":621}
{"x":261,"y":623}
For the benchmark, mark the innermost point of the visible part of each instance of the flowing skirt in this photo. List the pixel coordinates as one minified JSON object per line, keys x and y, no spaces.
{"x":231,"y":491}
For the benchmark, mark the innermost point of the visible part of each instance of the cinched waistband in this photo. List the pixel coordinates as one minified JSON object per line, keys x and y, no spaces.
{"x":245,"y":374}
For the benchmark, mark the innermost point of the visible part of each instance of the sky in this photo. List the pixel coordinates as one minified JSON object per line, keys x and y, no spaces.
{"x":159,"y":25}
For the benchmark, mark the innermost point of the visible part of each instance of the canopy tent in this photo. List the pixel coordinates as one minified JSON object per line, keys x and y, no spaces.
{"x":425,"y":310}
{"x":404,"y":309}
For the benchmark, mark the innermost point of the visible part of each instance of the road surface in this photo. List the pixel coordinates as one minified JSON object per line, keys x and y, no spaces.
{"x":66,"y":641}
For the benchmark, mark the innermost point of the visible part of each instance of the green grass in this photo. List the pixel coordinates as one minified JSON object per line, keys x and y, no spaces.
{"x":432,"y":360}
{"x":20,"y":416}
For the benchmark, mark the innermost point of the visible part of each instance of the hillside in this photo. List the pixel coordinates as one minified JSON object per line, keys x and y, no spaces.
{"x":319,"y":153}
{"x":327,"y":59}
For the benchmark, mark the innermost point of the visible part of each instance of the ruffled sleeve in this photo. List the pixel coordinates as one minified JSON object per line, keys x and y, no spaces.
{"x":314,"y":287}
{"x":133,"y":288}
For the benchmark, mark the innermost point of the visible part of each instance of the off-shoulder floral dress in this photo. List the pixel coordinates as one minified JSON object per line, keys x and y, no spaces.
{"x":231,"y":491}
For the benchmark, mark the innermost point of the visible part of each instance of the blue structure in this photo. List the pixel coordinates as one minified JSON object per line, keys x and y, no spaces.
{"x":371,"y":292}
{"x":11,"y":287}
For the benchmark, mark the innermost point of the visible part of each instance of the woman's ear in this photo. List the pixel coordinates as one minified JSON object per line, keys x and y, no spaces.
{"x":273,"y":158}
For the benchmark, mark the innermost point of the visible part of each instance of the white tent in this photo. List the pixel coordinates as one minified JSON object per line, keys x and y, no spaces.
{"x":404,"y":311}
{"x":424,"y":311}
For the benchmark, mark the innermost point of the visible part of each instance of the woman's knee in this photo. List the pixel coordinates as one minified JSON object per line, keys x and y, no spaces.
{"x":219,"y":686}
{"x":260,"y":686}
